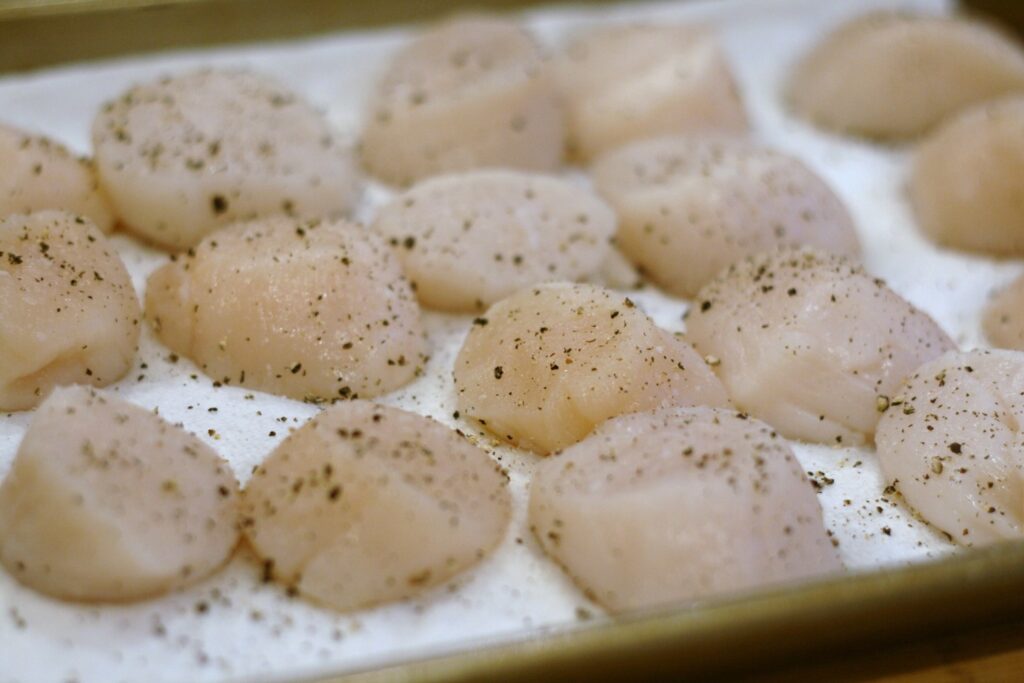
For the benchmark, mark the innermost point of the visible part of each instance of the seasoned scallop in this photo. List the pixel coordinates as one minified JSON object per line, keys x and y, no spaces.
{"x":952,"y":445}
{"x":41,"y":174}
{"x":367,"y":504}
{"x":105,"y":501}
{"x":890,"y":75}
{"x":1003,"y":319}
{"x":968,"y":179}
{"x":307,"y":309}
{"x":626,"y":83}
{"x":68,"y":312}
{"x":467,"y":93}
{"x":470,"y":239}
{"x":545,"y":366}
{"x":677,"y":505}
{"x":688,"y":207}
{"x":188,"y":154}
{"x":811,"y":343}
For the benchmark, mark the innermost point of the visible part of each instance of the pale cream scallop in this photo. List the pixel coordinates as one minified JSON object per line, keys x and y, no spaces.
{"x":68,"y":312}
{"x":890,"y":75}
{"x":1003,"y":319}
{"x":368,"y":504}
{"x":185,"y":155}
{"x":953,"y":446}
{"x":679,"y":505}
{"x":107,"y":502}
{"x":307,"y":309}
{"x":811,"y":343}
{"x":689,"y":207}
{"x":627,"y":83}
{"x":469,"y":239}
{"x":41,"y":174}
{"x":465,"y":93}
{"x":545,"y":366}
{"x":968,"y":179}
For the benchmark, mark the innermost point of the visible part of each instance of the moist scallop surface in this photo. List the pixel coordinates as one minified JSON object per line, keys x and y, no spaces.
{"x":307,"y":309}
{"x":187,"y":154}
{"x":953,"y":446}
{"x":368,"y":504}
{"x":467,"y":93}
{"x":968,"y":177}
{"x":469,"y":239}
{"x":679,"y":505}
{"x":810,"y":342}
{"x":41,"y":174}
{"x":543,"y":367}
{"x":894,"y":75}
{"x":105,"y":501}
{"x":627,"y":83}
{"x":68,"y":312}
{"x":690,"y":206}
{"x":1003,"y":317}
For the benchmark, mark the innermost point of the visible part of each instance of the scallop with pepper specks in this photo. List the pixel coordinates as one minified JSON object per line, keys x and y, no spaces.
{"x":679,"y":505}
{"x":811,"y":343}
{"x":188,"y":154}
{"x":545,"y":366}
{"x":307,"y":309}
{"x":470,"y":239}
{"x":689,"y":207}
{"x":367,"y":504}
{"x":952,"y":445}
{"x":68,"y":312}
{"x":105,"y":501}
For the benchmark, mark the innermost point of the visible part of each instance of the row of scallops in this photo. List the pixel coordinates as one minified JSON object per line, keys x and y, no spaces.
{"x":652,"y":466}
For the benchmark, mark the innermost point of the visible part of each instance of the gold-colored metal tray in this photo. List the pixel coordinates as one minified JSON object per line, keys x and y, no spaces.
{"x":842,"y":629}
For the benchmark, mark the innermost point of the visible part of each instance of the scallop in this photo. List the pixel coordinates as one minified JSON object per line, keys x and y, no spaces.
{"x":68,"y":312}
{"x":689,"y":207}
{"x":1003,"y":319}
{"x":893,"y":75}
{"x":466,"y":93}
{"x":968,"y":177}
{"x":679,"y":505}
{"x":106,"y":501}
{"x":41,"y":174}
{"x":368,"y":504}
{"x":470,"y":239}
{"x":953,"y":448}
{"x":307,"y":309}
{"x":185,"y":155}
{"x":811,"y":343}
{"x":626,"y":83}
{"x":545,"y":366}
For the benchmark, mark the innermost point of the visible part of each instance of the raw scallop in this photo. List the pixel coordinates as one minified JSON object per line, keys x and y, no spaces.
{"x":107,"y":502}
{"x":1003,"y":320}
{"x":811,"y":343}
{"x":688,"y":207}
{"x":40,"y":174}
{"x":678,"y":505}
{"x":953,"y":446}
{"x":545,"y":366}
{"x":469,"y":239}
{"x":626,"y":83}
{"x":307,"y":309}
{"x":188,"y":154}
{"x":889,"y":75}
{"x":467,"y":93}
{"x":68,"y":312}
{"x":968,"y":180}
{"x":367,"y":504}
